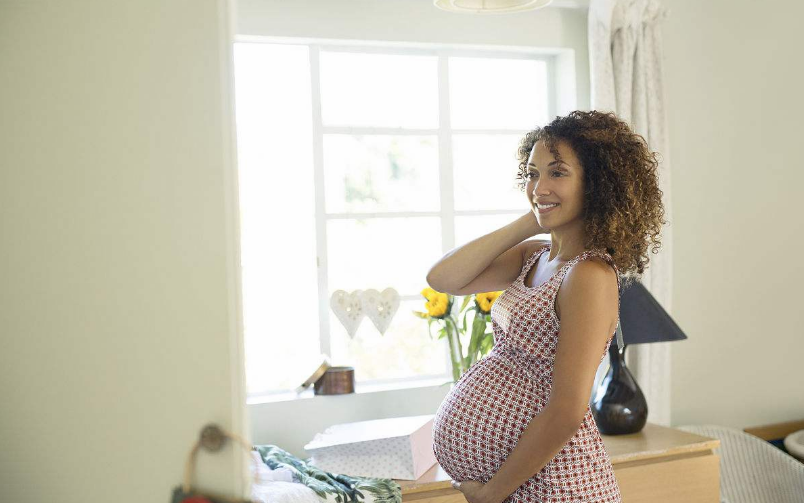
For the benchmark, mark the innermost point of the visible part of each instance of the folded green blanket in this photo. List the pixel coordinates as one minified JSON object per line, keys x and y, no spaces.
{"x":346,"y":489}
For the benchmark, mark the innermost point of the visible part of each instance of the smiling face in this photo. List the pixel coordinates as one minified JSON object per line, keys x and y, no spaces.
{"x":553,"y":181}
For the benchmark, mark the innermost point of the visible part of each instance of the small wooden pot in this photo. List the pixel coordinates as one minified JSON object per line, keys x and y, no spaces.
{"x":336,"y":381}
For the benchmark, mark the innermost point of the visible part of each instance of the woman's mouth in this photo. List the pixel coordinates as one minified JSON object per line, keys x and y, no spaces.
{"x":546,"y":208}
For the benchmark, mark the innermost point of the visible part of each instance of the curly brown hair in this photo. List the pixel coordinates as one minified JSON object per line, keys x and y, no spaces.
{"x":622,"y":201}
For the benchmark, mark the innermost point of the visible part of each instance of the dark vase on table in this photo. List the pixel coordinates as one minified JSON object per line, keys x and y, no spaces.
{"x":619,"y":406}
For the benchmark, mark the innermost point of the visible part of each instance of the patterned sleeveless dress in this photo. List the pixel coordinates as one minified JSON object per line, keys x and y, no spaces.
{"x":481,"y":419}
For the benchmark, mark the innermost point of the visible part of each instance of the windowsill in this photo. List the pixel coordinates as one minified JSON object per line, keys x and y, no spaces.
{"x":289,"y":396}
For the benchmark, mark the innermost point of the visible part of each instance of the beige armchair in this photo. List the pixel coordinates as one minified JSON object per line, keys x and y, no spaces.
{"x":751,"y":469}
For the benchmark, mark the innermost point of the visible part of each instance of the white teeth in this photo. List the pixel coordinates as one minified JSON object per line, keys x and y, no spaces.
{"x":543,"y":206}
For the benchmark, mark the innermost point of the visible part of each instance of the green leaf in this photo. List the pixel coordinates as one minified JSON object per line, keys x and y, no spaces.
{"x":466,"y":300}
{"x":486,"y":343}
{"x":478,"y":330}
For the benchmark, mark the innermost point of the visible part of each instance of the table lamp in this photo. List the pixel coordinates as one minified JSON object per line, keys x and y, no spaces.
{"x":619,"y":407}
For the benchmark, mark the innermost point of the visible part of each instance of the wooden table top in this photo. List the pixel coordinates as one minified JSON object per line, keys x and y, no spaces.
{"x":653,"y":441}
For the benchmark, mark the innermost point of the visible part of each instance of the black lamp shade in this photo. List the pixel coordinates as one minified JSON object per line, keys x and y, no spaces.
{"x":642,"y":318}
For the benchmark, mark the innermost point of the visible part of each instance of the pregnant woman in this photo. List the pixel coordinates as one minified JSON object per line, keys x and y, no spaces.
{"x":517,"y":426}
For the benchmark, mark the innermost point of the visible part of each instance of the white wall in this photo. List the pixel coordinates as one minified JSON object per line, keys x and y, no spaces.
{"x":734,"y":84}
{"x":120,"y":299}
{"x":292,"y":424}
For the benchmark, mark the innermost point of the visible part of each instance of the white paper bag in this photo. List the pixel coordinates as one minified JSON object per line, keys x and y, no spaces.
{"x":396,"y":448}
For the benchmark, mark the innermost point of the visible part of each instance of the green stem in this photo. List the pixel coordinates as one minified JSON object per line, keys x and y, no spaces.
{"x":455,"y":368}
{"x":464,"y":367}
{"x":474,"y":340}
{"x":456,"y":352}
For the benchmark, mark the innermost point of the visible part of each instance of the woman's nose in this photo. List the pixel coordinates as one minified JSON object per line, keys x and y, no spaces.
{"x":540,"y":189}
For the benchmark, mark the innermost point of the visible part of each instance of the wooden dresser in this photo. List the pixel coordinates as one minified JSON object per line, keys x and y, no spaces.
{"x":656,"y":465}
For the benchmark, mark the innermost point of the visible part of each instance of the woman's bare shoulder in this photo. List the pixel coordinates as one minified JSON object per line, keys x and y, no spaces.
{"x":587,"y":283}
{"x":535,"y":244}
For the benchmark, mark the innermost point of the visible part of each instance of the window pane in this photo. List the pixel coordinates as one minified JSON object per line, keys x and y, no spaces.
{"x":382,"y":252}
{"x":405,"y":350}
{"x":485,"y":168}
{"x":381,"y":173}
{"x":275,"y":173}
{"x":497,"y":93}
{"x":382,"y":90}
{"x":468,"y":228}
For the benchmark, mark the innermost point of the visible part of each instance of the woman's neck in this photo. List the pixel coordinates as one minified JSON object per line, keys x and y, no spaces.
{"x":566,"y":244}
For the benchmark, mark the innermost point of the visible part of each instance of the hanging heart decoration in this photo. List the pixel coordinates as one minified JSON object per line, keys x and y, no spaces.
{"x":348,"y":308}
{"x":380,"y":308}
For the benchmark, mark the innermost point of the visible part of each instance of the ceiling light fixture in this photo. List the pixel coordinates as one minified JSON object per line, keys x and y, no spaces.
{"x":489,"y":6}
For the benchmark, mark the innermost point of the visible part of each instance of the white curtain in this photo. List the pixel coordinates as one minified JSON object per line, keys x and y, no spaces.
{"x":625,"y":55}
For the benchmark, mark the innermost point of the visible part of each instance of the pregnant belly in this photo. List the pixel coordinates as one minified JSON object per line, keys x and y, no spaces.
{"x":482,"y":417}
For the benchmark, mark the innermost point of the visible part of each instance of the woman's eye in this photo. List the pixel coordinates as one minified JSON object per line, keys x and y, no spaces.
{"x":531,"y":174}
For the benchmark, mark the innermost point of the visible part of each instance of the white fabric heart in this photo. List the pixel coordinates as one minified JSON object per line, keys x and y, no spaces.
{"x":380,"y":308}
{"x":348,"y":308}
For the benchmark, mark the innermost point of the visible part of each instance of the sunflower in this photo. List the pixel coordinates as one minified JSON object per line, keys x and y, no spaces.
{"x":485,"y":300}
{"x":438,"y":304}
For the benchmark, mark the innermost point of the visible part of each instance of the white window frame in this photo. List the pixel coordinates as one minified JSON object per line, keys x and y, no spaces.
{"x":561,"y":88}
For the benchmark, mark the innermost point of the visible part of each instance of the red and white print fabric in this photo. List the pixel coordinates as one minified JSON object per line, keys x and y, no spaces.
{"x":483,"y":416}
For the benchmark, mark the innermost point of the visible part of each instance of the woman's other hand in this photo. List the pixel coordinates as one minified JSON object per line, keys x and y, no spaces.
{"x":473,"y":491}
